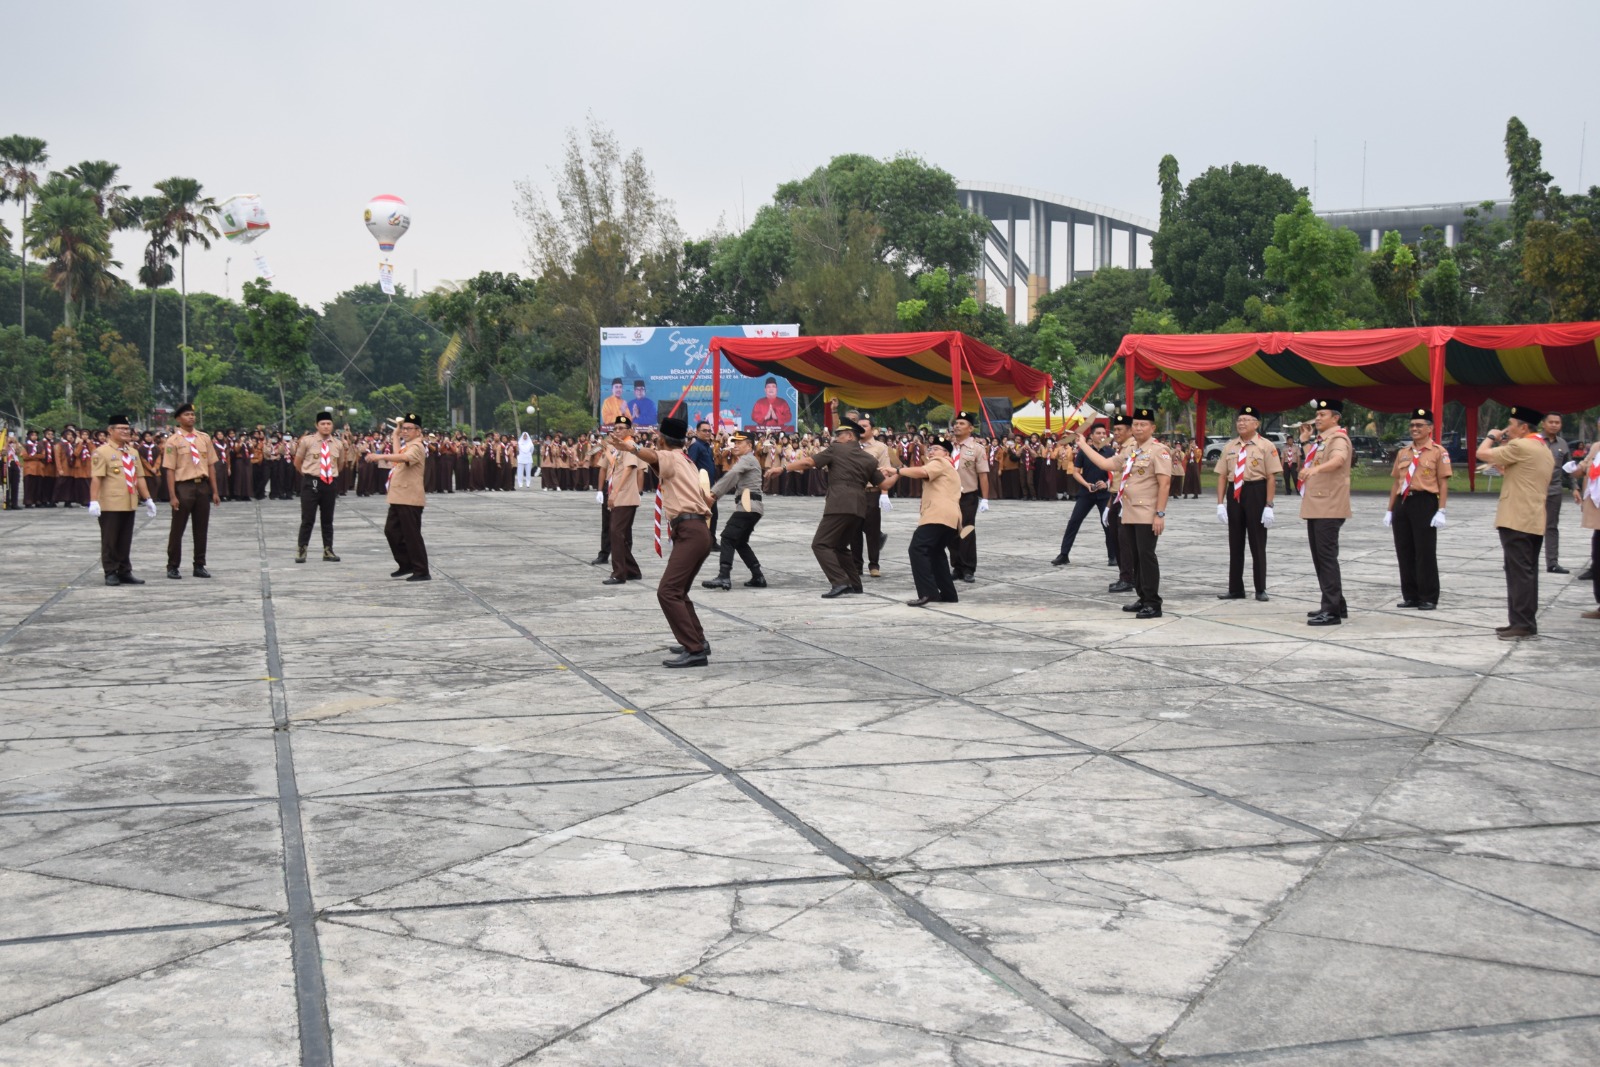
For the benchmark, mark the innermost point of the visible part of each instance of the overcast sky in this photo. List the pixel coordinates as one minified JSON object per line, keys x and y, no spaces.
{"x":319,"y":106}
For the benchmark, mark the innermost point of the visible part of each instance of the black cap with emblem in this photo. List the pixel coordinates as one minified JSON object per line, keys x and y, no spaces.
{"x":1527,"y":415}
{"x":1143,"y":415}
{"x":1249,"y":410}
{"x":966,"y":416}
{"x":1422,"y":415}
{"x":622,"y":420}
{"x":1335,"y":406}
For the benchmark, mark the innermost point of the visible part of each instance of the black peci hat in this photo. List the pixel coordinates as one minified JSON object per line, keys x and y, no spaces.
{"x":1143,"y":415}
{"x":622,"y":420}
{"x":1120,"y":419}
{"x":117,"y":420}
{"x":413,"y":418}
{"x":1422,"y":415}
{"x":1250,"y":410}
{"x":183,"y":409}
{"x":674,"y":428}
{"x":1527,"y":415}
{"x":1335,"y":406}
{"x":944,"y":443}
{"x":967,"y":415}
{"x":323,"y":416}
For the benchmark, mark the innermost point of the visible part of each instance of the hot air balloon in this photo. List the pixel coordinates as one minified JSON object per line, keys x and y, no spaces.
{"x":243,"y":220}
{"x":388,"y":218}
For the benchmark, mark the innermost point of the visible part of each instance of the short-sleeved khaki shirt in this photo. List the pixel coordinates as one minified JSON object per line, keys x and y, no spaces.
{"x":106,"y":465}
{"x":1151,"y":461}
{"x":1433,"y":468}
{"x":405,"y":484}
{"x":1261,"y":459}
{"x":971,"y":459}
{"x":178,"y":456}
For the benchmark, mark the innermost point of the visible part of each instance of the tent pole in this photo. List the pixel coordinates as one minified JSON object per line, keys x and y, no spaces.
{"x":1049,"y":398}
{"x":1127,"y":367}
{"x":716,"y":392}
{"x":1472,"y":447}
{"x":1200,"y":422}
{"x":955,"y":372}
{"x":1436,"y":382}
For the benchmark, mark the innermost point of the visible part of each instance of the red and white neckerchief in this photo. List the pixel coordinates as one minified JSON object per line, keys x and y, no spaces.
{"x":1411,"y":470}
{"x":1312,"y":448}
{"x":129,"y":472}
{"x":1122,"y":480}
{"x":1592,"y":485}
{"x":325,"y":462}
{"x":1239,"y":464}
{"x":194,"y":448}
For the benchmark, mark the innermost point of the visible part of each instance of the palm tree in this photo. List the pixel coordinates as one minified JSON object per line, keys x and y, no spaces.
{"x":67,"y":228}
{"x":186,"y":215}
{"x":157,"y":269}
{"x":110,"y":199}
{"x":21,"y":159}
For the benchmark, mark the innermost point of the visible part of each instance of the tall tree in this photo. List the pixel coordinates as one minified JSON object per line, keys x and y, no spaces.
{"x":111,"y":199}
{"x":156,"y":270}
{"x":589,"y":250}
{"x":133,"y":387}
{"x":491,"y":316}
{"x":1316,"y":265}
{"x":66,"y":228}
{"x":275,"y":337}
{"x":186,"y":214}
{"x":1532,"y":195}
{"x":1211,"y":251}
{"x":23,"y":370}
{"x":22,"y":159}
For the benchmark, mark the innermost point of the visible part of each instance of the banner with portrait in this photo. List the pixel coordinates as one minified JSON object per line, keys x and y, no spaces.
{"x":645,"y":369}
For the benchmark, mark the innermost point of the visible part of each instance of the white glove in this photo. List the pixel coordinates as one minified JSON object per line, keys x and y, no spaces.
{"x":94,"y":508}
{"x":1388,"y":519}
{"x":1571,"y":466}
{"x":150,"y":506}
{"x":884,"y":502}
{"x":1437,"y":520}
{"x":600,"y":497}
{"x":983,"y":505}
{"x":1222,"y":514}
{"x":1266,"y":517}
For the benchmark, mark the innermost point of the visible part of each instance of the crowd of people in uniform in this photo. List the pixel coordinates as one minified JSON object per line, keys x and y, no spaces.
{"x":1116,"y":469}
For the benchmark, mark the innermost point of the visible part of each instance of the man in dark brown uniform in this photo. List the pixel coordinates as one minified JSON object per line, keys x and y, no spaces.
{"x":850,"y":472}
{"x":189,"y":459}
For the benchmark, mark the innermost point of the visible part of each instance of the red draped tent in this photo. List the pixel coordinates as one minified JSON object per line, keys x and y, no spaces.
{"x":875,"y":370}
{"x":1551,"y":367}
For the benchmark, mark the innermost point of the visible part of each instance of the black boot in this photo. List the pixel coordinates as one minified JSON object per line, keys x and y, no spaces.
{"x":300,"y":554}
{"x":757,"y":581}
{"x":721,"y":581}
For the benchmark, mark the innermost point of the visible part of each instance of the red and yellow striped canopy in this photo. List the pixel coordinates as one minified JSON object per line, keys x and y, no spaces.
{"x":875,"y":370}
{"x":1552,"y":367}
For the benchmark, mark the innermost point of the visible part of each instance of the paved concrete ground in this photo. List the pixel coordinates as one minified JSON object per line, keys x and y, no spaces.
{"x":307,"y":814}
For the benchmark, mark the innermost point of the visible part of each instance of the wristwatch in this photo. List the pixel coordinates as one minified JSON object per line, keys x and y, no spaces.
{"x":1161,"y":514}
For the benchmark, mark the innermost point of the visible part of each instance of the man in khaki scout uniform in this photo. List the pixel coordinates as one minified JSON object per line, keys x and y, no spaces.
{"x":877,"y":503}
{"x":189,"y":459}
{"x":1586,"y":478}
{"x":623,"y":484}
{"x":971,"y":461}
{"x":1122,"y":444}
{"x":116,"y":487}
{"x":1145,"y":483}
{"x":1325,"y":503}
{"x":1418,"y":491}
{"x":1247,"y":483}
{"x":318,"y":457}
{"x":938,"y":524}
{"x":1526,"y":461}
{"x":403,"y":525}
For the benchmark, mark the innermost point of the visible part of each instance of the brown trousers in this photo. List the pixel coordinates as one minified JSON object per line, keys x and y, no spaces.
{"x":194,"y":499}
{"x":831,"y":544}
{"x":691,"y":544}
{"x":623,"y":565}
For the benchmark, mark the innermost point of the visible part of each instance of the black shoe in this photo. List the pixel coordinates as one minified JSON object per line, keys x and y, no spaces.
{"x":1230,"y":596}
{"x":614,"y":581}
{"x":401,"y":573}
{"x":300,"y":554}
{"x":201,"y":572}
{"x":1323,"y":618}
{"x":1343,"y":613}
{"x":687,"y":659}
{"x":920,"y":602}
{"x":1556,"y":568}
{"x":600,"y":560}
{"x":112,"y":579}
{"x":968,"y":578}
{"x":1262,"y":597}
{"x":1148,"y":612}
{"x":1120,"y":587}
{"x":1060,"y":561}
{"x":172,"y":572}
{"x":1111,"y":563}
{"x":679,"y":649}
{"x":1426,"y":605}
{"x":1407,"y":604}
{"x":854,"y":589}
{"x":128,"y":579}
{"x":756,"y":582}
{"x":422,"y":576}
{"x":1587,"y":575}
{"x":1137,"y":605}
{"x":835,"y":591}
{"x":721,"y":581}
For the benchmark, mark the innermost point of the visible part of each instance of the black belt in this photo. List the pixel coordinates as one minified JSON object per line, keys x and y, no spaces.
{"x":1419,"y":492}
{"x":686,"y":517}
{"x":754,"y":495}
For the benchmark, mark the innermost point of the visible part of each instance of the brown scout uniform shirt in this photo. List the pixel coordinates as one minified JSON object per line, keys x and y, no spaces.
{"x":1432,"y":468}
{"x":622,"y":479}
{"x":106,"y":464}
{"x":941,"y":496}
{"x":1327,"y":486}
{"x":308,"y":455}
{"x":1261,"y":459}
{"x":971,"y":459}
{"x":680,"y":485}
{"x":177,"y":457}
{"x":406,"y":485}
{"x":1151,"y":460}
{"x":1527,"y":464}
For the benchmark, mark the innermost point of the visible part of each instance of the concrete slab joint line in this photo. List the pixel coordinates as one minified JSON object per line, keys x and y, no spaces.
{"x":311,"y":997}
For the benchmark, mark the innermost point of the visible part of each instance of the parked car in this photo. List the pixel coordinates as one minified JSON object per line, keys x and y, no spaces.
{"x":1370,"y":448}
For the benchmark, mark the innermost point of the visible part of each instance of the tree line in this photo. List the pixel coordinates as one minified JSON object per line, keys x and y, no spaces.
{"x":859,"y":245}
